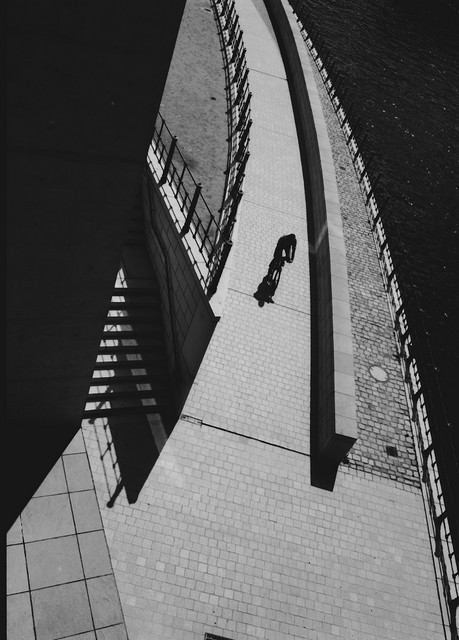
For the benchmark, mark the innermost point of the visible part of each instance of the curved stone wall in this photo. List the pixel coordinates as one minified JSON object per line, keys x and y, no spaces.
{"x":333,"y":423}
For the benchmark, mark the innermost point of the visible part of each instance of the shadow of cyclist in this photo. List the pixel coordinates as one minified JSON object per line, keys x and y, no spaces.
{"x":284,"y":252}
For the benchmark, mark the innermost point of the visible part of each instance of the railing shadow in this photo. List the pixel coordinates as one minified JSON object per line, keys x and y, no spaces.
{"x":129,"y":446}
{"x":211,"y":234}
{"x":130,"y":406}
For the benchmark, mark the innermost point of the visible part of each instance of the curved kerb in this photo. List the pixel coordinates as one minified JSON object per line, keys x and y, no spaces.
{"x":433,"y":494}
{"x":333,"y":407}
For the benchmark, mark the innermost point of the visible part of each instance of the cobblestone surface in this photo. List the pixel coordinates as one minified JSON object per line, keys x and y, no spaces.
{"x":60,"y":580}
{"x":382,"y":412}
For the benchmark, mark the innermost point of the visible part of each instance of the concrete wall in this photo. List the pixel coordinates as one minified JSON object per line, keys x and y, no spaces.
{"x":187,"y":315}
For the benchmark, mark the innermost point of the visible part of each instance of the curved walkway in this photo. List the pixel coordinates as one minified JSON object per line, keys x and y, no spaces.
{"x":228,"y":536}
{"x":253,"y":381}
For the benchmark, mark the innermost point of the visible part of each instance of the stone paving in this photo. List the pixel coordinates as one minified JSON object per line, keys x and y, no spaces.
{"x":266,"y":368}
{"x":228,"y":536}
{"x":60,"y":581}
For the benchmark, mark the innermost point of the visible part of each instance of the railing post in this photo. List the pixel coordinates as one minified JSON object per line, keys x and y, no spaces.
{"x":243,"y":113}
{"x":240,"y":173}
{"x":232,"y":32}
{"x":216,"y":275}
{"x":232,"y":216}
{"x":229,"y":18}
{"x":241,"y":88}
{"x":373,"y":187}
{"x":224,"y":7}
{"x":189,"y":215}
{"x":168,"y":161}
{"x":453,"y":605}
{"x":237,"y":46}
{"x":349,"y":115}
{"x":242,"y":141}
{"x":425,"y":457}
{"x":227,"y":223}
{"x":438,"y":521}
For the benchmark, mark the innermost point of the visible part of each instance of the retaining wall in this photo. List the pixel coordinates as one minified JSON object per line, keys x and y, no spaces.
{"x":332,"y":383}
{"x":187,"y":315}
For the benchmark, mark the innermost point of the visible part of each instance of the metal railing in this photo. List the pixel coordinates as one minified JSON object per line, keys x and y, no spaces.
{"x":201,"y":231}
{"x":238,"y":98}
{"x":375,"y":198}
{"x":185,"y":189}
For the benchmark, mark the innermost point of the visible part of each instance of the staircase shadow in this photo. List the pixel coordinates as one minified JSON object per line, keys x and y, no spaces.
{"x":133,"y":420}
{"x":131,"y":444}
{"x":131,"y":401}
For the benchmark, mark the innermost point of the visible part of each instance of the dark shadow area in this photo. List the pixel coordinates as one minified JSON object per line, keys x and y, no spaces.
{"x":284,"y":252}
{"x":132,"y":442}
{"x":323,"y":471}
{"x":67,"y":106}
{"x":136,"y":454}
{"x":35,"y":449}
{"x":132,"y":404}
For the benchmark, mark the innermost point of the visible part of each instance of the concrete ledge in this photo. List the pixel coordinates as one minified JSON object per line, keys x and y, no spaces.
{"x":333,"y":410}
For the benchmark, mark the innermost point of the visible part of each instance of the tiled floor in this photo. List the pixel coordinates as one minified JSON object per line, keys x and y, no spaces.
{"x":60,"y":582}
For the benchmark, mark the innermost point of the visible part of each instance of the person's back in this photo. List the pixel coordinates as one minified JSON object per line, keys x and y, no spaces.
{"x":286,"y":247}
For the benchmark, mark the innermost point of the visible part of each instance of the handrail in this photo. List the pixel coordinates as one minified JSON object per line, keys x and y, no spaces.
{"x":186,"y":190}
{"x":444,"y":552}
{"x":198,"y":227}
{"x":173,"y":208}
{"x":238,"y":98}
{"x":211,"y":238}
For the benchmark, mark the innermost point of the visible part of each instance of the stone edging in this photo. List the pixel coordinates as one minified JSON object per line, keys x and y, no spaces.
{"x":333,"y":406}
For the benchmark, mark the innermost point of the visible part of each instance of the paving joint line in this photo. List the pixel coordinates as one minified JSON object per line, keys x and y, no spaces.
{"x":293,"y":136}
{"x":265,"y":73}
{"x":200,"y":422}
{"x":263,"y":206}
{"x":284,"y":306}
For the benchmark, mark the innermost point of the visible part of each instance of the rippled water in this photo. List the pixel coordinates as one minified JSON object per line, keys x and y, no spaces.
{"x":400,"y":63}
